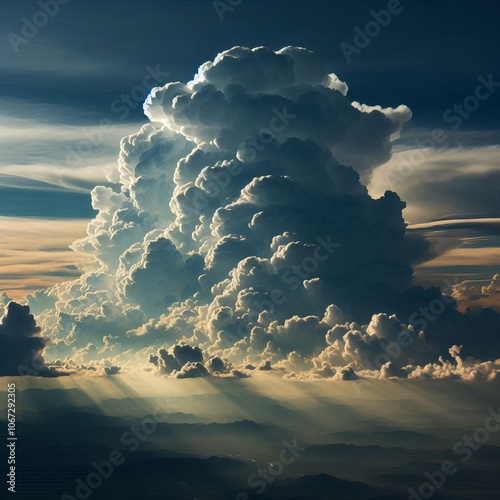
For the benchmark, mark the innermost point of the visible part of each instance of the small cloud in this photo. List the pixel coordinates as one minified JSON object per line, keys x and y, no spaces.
{"x":266,"y":367}
{"x":192,"y":370}
{"x":112,"y":370}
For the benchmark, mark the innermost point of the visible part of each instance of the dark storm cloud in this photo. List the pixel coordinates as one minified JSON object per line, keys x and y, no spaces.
{"x":176,"y":358}
{"x":21,"y":345}
{"x":112,"y":370}
{"x":184,"y":361}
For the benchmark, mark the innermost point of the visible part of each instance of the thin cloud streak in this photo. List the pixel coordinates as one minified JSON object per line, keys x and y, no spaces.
{"x":35,"y":253}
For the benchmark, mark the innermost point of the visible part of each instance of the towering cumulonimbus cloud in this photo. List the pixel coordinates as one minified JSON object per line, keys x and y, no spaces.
{"x":239,"y":233}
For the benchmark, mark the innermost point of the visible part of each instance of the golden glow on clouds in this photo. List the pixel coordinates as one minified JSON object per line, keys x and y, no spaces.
{"x":465,"y":257}
{"x":454,"y":222}
{"x":420,"y":175}
{"x":35,"y":253}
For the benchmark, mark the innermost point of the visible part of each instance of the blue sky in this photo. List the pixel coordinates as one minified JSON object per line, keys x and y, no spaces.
{"x":56,"y":90}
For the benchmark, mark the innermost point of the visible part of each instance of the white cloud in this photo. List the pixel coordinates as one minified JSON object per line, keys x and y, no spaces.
{"x":241,"y":232}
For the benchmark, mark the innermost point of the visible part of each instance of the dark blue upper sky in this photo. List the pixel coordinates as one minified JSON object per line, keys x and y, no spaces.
{"x":92,"y":51}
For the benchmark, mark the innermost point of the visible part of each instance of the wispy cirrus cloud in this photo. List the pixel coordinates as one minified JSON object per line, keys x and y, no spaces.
{"x":35,"y":253}
{"x":437,"y":183}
